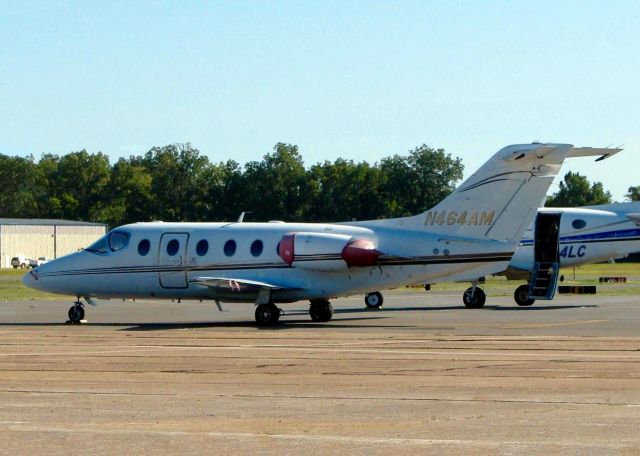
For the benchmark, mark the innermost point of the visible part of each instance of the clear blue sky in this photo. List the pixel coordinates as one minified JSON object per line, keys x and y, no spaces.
{"x":359,"y":80}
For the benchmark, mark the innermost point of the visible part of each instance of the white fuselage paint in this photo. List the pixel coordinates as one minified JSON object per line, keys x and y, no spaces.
{"x":587,"y":236}
{"x":127,"y":274}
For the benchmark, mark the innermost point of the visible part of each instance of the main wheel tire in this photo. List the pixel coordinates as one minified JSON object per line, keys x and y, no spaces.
{"x":267,"y":314}
{"x":474,"y":300}
{"x":373,"y":300}
{"x":521,"y":296}
{"x":76,"y":314}
{"x":321,"y":310}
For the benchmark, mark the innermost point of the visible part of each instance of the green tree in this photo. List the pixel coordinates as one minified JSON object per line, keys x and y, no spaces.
{"x":225,"y":191}
{"x":275,"y":188}
{"x":18,"y":187}
{"x":179,"y":182}
{"x":129,"y":196}
{"x":74,"y":185}
{"x":634,"y":193}
{"x":575,"y":191}
{"x":342,"y":191}
{"x":414,"y":183}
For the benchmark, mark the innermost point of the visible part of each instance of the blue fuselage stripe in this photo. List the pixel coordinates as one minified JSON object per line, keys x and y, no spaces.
{"x":605,"y":236}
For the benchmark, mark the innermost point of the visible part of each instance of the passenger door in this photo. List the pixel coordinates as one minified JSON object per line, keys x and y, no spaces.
{"x":546,"y":266}
{"x":172,"y":259}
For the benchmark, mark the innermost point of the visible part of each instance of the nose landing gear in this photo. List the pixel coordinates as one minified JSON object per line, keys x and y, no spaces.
{"x":76,"y":313}
{"x":373,"y":300}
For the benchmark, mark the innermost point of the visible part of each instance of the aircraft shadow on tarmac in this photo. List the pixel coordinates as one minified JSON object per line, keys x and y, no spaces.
{"x":299,"y":319}
{"x":531,"y":309}
{"x":295,"y":323}
{"x":495,"y":308}
{"x":286,"y":323}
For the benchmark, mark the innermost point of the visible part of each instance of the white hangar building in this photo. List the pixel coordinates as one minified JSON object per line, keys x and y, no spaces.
{"x":35,"y":238}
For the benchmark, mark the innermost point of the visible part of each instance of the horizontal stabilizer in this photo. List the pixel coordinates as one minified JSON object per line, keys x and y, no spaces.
{"x":600,"y":152}
{"x":635,"y":218}
{"x":618,"y":208}
{"x":236,"y":285}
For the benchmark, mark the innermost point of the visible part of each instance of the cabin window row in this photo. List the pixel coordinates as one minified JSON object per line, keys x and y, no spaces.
{"x":202,"y":247}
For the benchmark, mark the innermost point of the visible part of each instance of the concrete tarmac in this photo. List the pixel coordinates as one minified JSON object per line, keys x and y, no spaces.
{"x":422,"y":376}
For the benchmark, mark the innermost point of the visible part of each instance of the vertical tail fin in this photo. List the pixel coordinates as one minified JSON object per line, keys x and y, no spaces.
{"x":499,"y":201}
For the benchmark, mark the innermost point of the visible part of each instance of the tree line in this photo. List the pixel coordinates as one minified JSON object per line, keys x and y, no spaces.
{"x":178,"y":183}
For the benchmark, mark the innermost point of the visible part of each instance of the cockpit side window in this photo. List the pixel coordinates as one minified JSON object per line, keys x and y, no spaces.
{"x":118,"y":240}
{"x":100,"y":246}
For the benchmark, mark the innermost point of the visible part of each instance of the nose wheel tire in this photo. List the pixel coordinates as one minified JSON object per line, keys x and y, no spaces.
{"x":267,"y":314}
{"x":521,"y":296}
{"x":373,"y":300}
{"x":474,"y":300}
{"x":321,"y":310}
{"x":76,"y":313}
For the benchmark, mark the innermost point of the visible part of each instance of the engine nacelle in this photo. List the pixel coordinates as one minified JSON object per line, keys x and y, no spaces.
{"x":326,"y":252}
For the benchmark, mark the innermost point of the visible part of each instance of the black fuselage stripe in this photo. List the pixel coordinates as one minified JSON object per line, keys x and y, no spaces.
{"x":588,"y":241}
{"x":383,"y":262}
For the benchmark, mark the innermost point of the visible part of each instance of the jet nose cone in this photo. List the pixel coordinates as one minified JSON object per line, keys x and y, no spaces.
{"x":30,"y":278}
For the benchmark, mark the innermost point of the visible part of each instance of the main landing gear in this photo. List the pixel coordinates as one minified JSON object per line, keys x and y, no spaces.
{"x":521,"y":296}
{"x":320,"y":310}
{"x":267,"y":314}
{"x":474,"y":297}
{"x":373,"y":300}
{"x":76,"y":312}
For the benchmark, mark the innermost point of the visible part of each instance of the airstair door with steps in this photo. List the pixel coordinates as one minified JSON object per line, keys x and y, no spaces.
{"x":546,"y":266}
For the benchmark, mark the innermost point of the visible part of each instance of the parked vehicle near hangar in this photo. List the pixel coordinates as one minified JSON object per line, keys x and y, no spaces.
{"x":40,"y":261}
{"x":471,"y":233}
{"x":20,"y":261}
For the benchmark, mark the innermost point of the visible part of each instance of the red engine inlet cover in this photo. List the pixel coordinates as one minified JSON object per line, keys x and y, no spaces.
{"x":360,"y":252}
{"x":285,"y":248}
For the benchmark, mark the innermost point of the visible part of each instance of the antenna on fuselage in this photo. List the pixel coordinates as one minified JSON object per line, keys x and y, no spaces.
{"x":242,"y":214}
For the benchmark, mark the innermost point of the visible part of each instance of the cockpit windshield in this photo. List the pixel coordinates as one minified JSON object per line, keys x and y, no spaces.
{"x":114,"y":241}
{"x":100,"y":246}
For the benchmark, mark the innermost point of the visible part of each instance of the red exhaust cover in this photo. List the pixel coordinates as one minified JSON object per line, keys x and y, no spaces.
{"x":360,"y":252}
{"x":285,"y":248}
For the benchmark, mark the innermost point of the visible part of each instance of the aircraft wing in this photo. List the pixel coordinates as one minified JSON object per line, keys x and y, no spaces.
{"x":222,"y":284}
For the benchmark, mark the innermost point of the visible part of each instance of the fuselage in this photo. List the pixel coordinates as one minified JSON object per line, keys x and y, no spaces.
{"x":587,"y":235}
{"x":162,"y":260}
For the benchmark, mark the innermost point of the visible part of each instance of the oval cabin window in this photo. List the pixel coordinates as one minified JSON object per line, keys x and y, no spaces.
{"x":256,"y":248}
{"x":230,"y":247}
{"x":172,"y":247}
{"x":578,"y":224}
{"x":202,"y":247}
{"x":144,"y":246}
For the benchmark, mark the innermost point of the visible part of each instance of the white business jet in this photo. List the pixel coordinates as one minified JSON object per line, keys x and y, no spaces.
{"x":585,"y":235}
{"x":470,"y":234}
